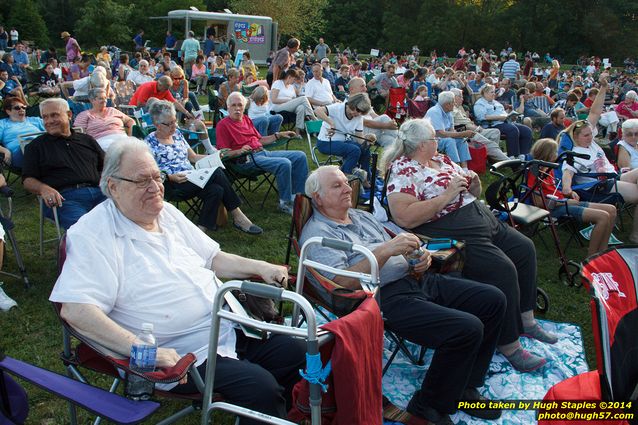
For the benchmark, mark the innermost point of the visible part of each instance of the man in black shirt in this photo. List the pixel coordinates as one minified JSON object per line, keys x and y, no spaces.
{"x":62,"y":166}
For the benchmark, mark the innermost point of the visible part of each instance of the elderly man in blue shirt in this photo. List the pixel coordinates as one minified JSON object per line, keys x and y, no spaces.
{"x":451,"y":142}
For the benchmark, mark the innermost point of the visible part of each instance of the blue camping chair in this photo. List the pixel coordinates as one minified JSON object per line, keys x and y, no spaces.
{"x":597,"y":186}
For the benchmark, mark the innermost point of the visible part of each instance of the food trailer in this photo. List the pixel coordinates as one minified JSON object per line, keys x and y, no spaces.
{"x":257,"y":34}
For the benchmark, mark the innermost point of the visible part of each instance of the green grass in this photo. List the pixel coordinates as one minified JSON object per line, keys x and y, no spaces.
{"x":31,"y":332}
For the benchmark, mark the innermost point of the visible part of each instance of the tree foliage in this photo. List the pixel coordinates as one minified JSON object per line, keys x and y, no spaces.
{"x":566,"y":28}
{"x":25,"y":16}
{"x":299,"y":18}
{"x":113,"y":27}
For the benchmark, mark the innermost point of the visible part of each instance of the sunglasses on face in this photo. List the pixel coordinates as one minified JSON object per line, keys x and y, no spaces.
{"x":19,"y":108}
{"x":178,"y":78}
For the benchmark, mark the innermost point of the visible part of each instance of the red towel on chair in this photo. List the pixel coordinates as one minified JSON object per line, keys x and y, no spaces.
{"x":356,"y":365}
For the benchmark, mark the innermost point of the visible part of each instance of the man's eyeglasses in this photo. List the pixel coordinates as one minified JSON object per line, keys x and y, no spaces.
{"x":19,"y":108}
{"x":432,"y":139}
{"x":630,"y":134}
{"x":146,"y":182}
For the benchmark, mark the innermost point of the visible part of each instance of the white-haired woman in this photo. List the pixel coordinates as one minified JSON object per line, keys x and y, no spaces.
{"x":432,"y":195}
{"x":627,"y":150}
{"x":174,"y":158}
{"x":490,"y":113}
{"x":628,"y":108}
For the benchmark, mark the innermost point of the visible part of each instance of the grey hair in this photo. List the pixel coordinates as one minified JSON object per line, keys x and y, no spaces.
{"x":313,"y":184}
{"x":457,"y":92}
{"x":142,"y":62}
{"x":113,"y":159}
{"x":446,"y":97}
{"x":165,"y":81}
{"x":63,"y":104}
{"x":360,"y":102}
{"x":631,"y":95}
{"x":410,"y":135}
{"x":98,"y":78}
{"x":630,"y":124}
{"x":95,"y":91}
{"x":159,"y":109}
{"x":234,"y":95}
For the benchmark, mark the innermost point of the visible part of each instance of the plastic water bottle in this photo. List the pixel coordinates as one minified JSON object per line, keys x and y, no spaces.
{"x":413,"y":259}
{"x":399,"y":111}
{"x":143,"y":353}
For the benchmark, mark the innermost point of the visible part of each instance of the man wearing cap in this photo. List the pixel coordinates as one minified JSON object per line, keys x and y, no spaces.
{"x":72,"y":47}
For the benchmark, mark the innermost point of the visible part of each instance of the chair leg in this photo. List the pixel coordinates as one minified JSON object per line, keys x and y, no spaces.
{"x":41,"y":228}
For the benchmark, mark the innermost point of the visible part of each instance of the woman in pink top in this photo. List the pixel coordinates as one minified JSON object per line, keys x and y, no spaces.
{"x":104,"y":124}
{"x":198,"y":75}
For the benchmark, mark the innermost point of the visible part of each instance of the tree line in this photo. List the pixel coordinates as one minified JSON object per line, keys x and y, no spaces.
{"x":565,"y":28}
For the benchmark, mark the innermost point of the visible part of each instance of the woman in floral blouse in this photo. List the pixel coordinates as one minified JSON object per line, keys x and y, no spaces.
{"x":174,"y":157}
{"x":431,"y":195}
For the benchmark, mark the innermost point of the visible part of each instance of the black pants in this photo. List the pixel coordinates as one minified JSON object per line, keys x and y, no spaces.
{"x":218,"y":189}
{"x":459,"y":318}
{"x":262,"y":379}
{"x":495,"y":254}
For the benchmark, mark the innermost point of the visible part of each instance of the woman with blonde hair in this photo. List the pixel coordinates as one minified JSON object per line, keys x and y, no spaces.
{"x":552,"y":79}
{"x":602,"y":216}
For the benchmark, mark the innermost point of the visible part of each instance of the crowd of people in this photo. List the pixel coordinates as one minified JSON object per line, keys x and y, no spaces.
{"x":110,"y":192}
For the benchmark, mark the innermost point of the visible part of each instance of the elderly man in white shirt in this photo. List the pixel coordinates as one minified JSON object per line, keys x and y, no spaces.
{"x":318,"y":90}
{"x":141,"y":75}
{"x":136,"y":259}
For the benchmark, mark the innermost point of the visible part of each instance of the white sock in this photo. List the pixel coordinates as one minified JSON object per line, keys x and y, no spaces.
{"x":208,"y":146}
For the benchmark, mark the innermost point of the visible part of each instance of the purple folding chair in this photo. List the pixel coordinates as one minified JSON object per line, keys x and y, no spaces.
{"x":111,"y":406}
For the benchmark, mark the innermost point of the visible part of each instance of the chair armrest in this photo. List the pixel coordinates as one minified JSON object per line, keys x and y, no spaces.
{"x":163,"y":375}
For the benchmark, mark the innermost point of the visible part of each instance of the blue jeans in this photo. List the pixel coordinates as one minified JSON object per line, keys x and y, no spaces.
{"x":268,"y":124}
{"x":289,"y":167}
{"x":77,"y":202}
{"x":352,"y":152}
{"x":518,"y":138}
{"x":456,"y":149}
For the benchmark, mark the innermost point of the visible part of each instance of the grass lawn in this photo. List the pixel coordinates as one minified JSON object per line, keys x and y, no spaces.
{"x":31,"y":332}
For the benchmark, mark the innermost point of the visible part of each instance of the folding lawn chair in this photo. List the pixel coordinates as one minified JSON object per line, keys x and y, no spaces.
{"x":312,"y":130}
{"x":526,"y":208}
{"x":113,"y":407}
{"x":505,"y":196}
{"x":397,"y":96}
{"x":89,"y":355}
{"x":326,"y":293}
{"x":612,"y":280}
{"x":594,"y":189}
{"x":6,"y":215}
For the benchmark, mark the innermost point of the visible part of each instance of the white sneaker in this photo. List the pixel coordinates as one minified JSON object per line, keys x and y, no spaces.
{"x":6,"y":303}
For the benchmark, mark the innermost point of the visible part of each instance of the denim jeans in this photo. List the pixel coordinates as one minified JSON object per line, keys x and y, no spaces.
{"x":352,"y":152}
{"x":77,"y":202}
{"x":268,"y":124}
{"x":456,"y":149}
{"x":289,"y":167}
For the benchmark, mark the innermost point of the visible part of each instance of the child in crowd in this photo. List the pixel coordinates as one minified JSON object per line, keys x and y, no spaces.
{"x":342,"y":82}
{"x":421,"y":94}
{"x":602,"y":216}
{"x":259,"y":112}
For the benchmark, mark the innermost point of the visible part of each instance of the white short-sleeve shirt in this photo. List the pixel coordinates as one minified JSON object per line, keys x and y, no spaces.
{"x":285,"y":93}
{"x":319,"y":91}
{"x":135,"y":276}
{"x":337,"y":112}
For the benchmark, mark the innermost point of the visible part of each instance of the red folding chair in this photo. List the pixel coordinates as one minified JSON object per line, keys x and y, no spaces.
{"x":612,"y":278}
{"x":397,"y":97}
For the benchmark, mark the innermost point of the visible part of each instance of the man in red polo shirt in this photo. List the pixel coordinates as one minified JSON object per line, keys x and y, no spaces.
{"x":160,"y":90}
